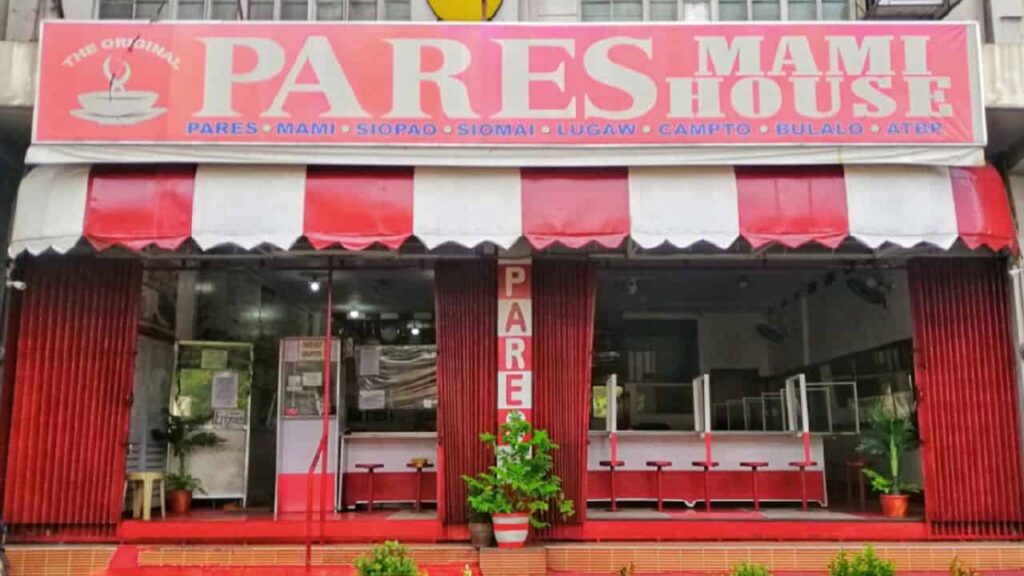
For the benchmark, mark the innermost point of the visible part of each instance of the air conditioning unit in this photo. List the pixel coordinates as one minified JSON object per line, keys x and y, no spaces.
{"x":908,"y":9}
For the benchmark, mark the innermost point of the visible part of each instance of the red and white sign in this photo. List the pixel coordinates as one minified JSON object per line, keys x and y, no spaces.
{"x":501,"y":85}
{"x":515,"y":339}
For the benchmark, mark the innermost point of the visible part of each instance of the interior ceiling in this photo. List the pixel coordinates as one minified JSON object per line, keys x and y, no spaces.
{"x":407,"y":290}
{"x":732,"y":290}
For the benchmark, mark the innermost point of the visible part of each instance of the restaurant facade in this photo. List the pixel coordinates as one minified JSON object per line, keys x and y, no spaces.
{"x":699,"y":255}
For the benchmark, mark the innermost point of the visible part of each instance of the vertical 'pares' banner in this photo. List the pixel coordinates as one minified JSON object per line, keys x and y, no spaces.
{"x":515,"y":339}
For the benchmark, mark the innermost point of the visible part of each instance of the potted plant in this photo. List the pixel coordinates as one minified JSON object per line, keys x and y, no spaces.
{"x":184,"y":435}
{"x":889,"y":435}
{"x":520,"y":485}
{"x":481,"y":533}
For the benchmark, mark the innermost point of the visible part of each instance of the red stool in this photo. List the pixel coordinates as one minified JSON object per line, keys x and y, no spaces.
{"x":753,"y":479}
{"x":419,"y":464}
{"x":803,"y":466}
{"x":369,"y":471}
{"x":707,"y":466}
{"x":612,"y":465}
{"x":856,"y":467}
{"x":659,"y":464}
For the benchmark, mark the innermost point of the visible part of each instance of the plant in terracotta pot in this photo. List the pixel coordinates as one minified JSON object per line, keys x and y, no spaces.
{"x":521,"y":485}
{"x":888,"y":436}
{"x":183,"y":436}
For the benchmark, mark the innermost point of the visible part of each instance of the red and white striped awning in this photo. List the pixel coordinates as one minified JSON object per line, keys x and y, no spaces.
{"x":248,"y":206}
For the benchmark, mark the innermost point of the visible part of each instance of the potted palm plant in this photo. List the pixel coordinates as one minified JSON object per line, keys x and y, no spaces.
{"x":521,"y":485}
{"x":888,"y":436}
{"x":183,"y":436}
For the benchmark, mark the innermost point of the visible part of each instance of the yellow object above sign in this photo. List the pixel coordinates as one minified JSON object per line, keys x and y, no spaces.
{"x":465,"y":10}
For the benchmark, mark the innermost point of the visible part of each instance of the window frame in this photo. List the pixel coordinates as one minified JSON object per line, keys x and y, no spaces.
{"x":714,"y":11}
{"x":170,"y":11}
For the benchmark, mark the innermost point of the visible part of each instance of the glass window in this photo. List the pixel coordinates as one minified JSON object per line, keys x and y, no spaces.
{"x":617,"y":10}
{"x":597,"y":10}
{"x":116,"y":10}
{"x":767,"y":10}
{"x":732,"y":10}
{"x":329,"y":10}
{"x":803,"y":10}
{"x":191,"y":10}
{"x":835,"y":10}
{"x":224,"y":10}
{"x":261,"y":10}
{"x":664,"y":10}
{"x":397,"y":10}
{"x":362,"y":10}
{"x":696,"y":10}
{"x":294,"y":10}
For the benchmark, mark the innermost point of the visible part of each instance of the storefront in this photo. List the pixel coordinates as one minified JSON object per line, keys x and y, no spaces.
{"x":698,"y":255}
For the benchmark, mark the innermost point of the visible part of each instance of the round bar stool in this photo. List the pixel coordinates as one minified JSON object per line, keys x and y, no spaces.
{"x":369,"y":482}
{"x":612,"y":465}
{"x":753,"y":480}
{"x":803,"y":466}
{"x":419,"y":464}
{"x":707,"y":466}
{"x":855,"y":467}
{"x":658,"y":465}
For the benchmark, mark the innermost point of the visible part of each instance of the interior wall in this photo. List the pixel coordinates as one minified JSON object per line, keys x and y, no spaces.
{"x":840,"y":323}
{"x":729,"y":341}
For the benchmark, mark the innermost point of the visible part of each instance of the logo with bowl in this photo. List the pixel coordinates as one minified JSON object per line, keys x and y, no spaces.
{"x":118,"y":105}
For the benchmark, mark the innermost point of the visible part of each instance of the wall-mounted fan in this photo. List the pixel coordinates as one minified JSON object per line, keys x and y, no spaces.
{"x":871,"y":290}
{"x":770,"y":332}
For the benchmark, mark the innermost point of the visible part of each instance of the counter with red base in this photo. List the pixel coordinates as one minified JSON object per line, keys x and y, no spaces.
{"x":394,"y":481}
{"x":682,"y":482}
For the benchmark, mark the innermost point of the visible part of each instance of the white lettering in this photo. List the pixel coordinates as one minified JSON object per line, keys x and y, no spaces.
{"x":639,"y":86}
{"x":408,"y":78}
{"x":220,"y":77}
{"x":516,"y":78}
{"x":330,"y":81}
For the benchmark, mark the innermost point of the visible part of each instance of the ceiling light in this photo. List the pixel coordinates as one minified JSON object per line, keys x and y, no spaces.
{"x":314,"y":285}
{"x":353,"y":314}
{"x":415,"y":331}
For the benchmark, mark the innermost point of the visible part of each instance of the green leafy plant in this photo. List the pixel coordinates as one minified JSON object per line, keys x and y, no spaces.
{"x":865,"y":563}
{"x":522,"y":480}
{"x":749,"y":569}
{"x":184,"y":434}
{"x":387,"y":559}
{"x":888,"y":436}
{"x":176,"y":481}
{"x":958,"y":568}
{"x":628,"y":570}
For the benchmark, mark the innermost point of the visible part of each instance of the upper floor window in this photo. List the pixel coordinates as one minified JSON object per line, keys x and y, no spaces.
{"x":254,"y":9}
{"x":705,"y":10}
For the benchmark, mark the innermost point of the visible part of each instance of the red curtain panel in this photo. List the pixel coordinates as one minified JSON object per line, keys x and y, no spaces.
{"x":967,"y":404}
{"x":72,"y":393}
{"x":564,"y":293}
{"x":467,"y":375}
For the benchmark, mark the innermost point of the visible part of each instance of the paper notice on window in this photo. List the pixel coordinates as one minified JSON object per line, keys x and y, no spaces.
{"x":225,"y":390}
{"x":312,"y":379}
{"x":232,"y":418}
{"x":291,"y":350}
{"x":369,"y":361}
{"x":372,"y":399}
{"x":214,"y":360}
{"x":294,"y":383}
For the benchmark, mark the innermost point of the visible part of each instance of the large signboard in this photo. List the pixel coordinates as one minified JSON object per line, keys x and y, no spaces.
{"x":494,"y":85}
